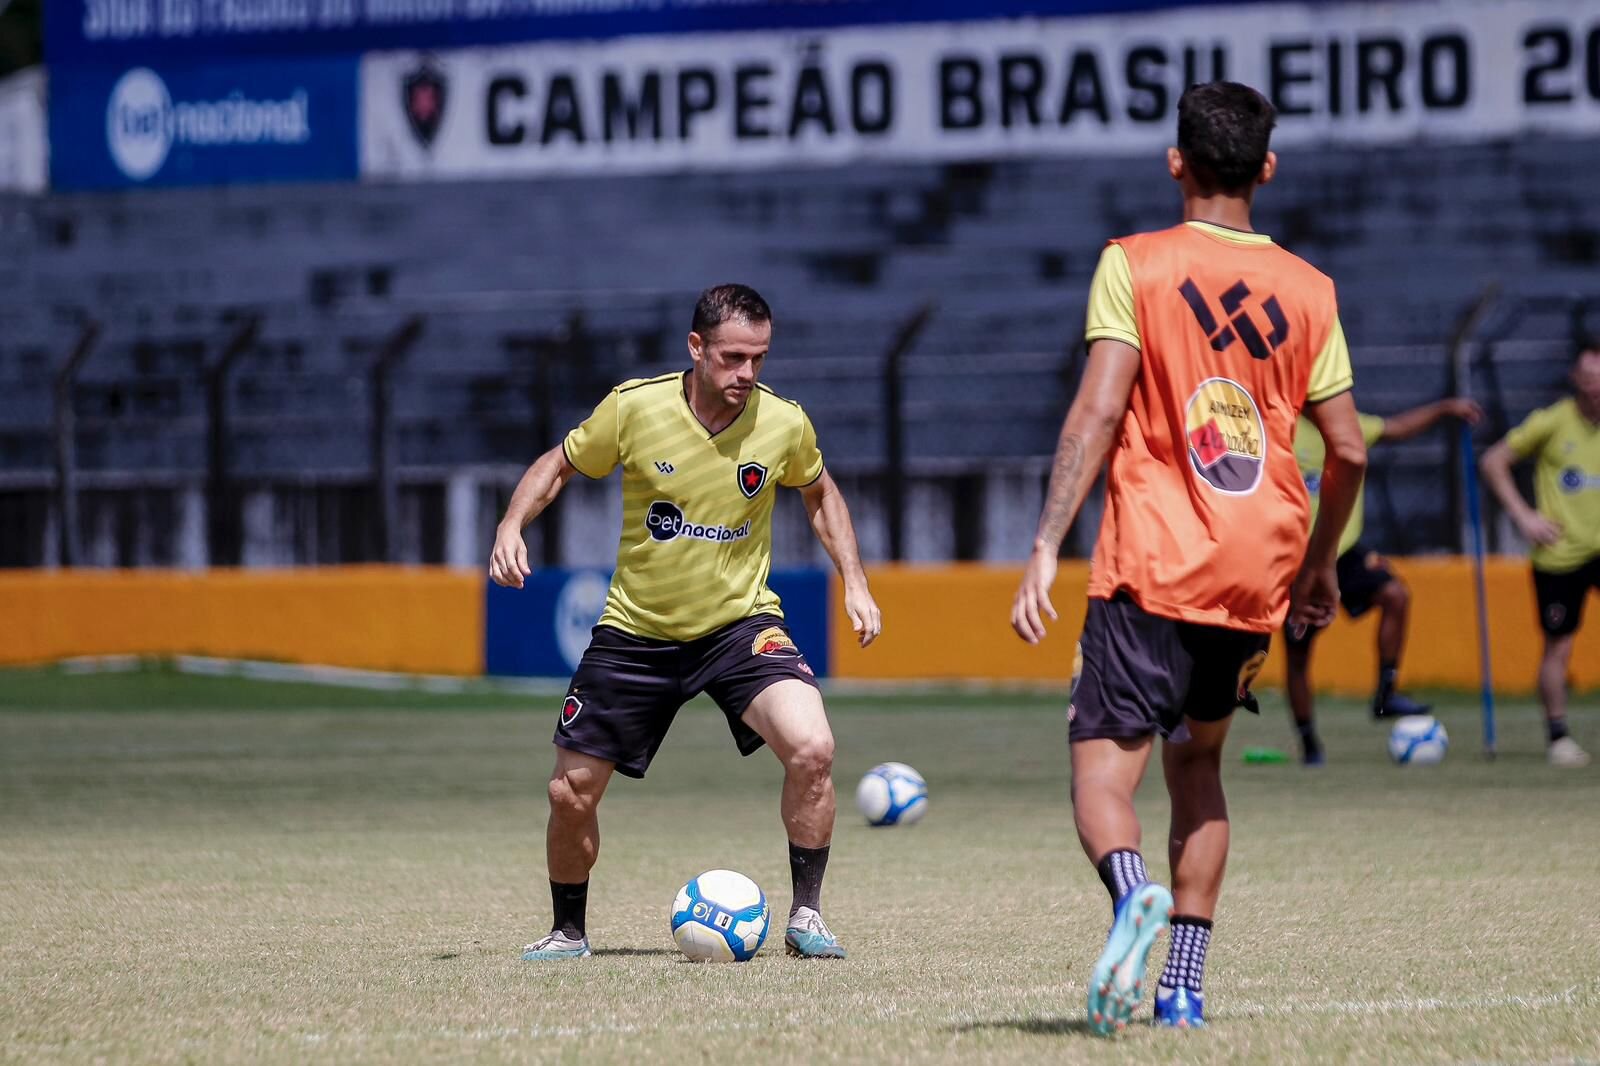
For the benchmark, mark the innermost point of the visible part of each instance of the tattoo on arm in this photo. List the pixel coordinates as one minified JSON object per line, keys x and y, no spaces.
{"x":1065,"y":492}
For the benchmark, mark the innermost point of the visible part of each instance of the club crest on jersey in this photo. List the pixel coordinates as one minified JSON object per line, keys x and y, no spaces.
{"x":752,"y":477}
{"x":1227,"y":439}
{"x":774,"y":643}
{"x":570,"y":710}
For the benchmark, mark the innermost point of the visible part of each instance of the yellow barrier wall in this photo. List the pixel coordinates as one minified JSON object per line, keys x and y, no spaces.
{"x":422,"y":620}
{"x":954,"y":622}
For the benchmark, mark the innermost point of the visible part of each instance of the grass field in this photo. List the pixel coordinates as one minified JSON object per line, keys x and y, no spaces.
{"x":209,"y":870}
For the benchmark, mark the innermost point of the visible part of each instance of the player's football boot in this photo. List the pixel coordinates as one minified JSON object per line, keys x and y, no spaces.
{"x":1179,"y":1008}
{"x":1118,"y":977}
{"x":1565,"y":753}
{"x":1398,"y":706}
{"x":556,"y":945}
{"x":808,"y":937}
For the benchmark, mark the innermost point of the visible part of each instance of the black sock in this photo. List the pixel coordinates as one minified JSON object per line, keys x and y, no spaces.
{"x":1388,"y":674}
{"x":1122,"y":871}
{"x":806,"y":867}
{"x":1557,"y":728}
{"x":1186,"y":960}
{"x":570,"y":903}
{"x":1309,"y":744}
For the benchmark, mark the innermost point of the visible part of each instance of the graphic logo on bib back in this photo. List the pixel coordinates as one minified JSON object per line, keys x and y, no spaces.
{"x":1227,"y":441}
{"x":666,"y":522}
{"x":751,"y":477}
{"x":1240,"y":325}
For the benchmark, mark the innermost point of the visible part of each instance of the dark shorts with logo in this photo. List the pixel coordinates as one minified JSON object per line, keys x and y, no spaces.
{"x":1362,"y":575}
{"x":1143,"y":674}
{"x":1561,"y":597}
{"x":627,"y":689}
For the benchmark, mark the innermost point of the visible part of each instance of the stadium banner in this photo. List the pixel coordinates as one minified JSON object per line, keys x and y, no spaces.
{"x":123,"y":31}
{"x":24,"y":156}
{"x":258,"y":121}
{"x":541,"y":629}
{"x":1338,"y":72}
{"x":949,"y":622}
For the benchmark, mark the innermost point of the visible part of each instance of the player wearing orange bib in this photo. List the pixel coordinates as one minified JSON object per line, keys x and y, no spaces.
{"x":1207,"y":341}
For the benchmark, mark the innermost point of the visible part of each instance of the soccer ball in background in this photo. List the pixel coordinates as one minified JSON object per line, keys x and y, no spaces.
{"x":1418,"y":740}
{"x":892,"y":793}
{"x":720,"y":916}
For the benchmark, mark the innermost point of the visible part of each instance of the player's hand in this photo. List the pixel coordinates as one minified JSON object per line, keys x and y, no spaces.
{"x":1466,"y":410}
{"x":1032,"y":604}
{"x":1313,"y":598}
{"x":865,"y":618}
{"x":1538,"y":529}
{"x":508,"y":563}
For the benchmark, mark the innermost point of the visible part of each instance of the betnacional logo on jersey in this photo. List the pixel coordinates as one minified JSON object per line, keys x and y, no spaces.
{"x":666,"y":522}
{"x":751,"y":477}
{"x":570,"y":710}
{"x":1574,"y":480}
{"x":1227,"y":440}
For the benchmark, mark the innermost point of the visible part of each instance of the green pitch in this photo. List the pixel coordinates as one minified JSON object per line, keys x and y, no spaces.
{"x":202,"y":870}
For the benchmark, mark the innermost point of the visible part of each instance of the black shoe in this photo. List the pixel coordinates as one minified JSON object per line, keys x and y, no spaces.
{"x":1398,"y":706}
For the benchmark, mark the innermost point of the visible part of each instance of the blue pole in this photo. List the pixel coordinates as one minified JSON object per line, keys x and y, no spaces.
{"x":1475,"y":514}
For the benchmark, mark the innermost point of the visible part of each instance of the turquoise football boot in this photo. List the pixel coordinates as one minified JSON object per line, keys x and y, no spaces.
{"x":1179,"y":1008}
{"x":808,"y":937}
{"x":1118,"y":977}
{"x":556,"y":945}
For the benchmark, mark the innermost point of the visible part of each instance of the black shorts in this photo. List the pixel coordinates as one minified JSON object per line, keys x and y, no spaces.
{"x":1362,"y":576}
{"x":628,"y":689}
{"x":1140,"y":674}
{"x":1561,"y":597}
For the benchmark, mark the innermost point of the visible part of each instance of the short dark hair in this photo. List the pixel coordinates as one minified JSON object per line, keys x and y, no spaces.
{"x":1223,"y":132}
{"x":720,"y":303}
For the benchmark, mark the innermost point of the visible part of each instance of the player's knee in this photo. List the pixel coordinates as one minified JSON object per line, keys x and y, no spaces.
{"x":568,"y":798}
{"x":813,"y":757}
{"x":1395,"y":595}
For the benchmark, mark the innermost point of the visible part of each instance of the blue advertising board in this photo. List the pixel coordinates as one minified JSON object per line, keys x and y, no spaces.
{"x":179,"y":124}
{"x":540,"y":630}
{"x":135,"y":31}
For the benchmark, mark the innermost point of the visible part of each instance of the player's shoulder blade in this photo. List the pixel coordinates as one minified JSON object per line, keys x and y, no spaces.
{"x":764,"y":389}
{"x":633,"y":384}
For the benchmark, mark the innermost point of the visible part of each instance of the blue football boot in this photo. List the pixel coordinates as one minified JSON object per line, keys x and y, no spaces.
{"x":1118,"y":977}
{"x":1179,"y":1008}
{"x":808,"y":936}
{"x":556,"y":945}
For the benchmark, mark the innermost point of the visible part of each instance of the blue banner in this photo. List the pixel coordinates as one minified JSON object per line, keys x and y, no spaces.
{"x":541,"y":630}
{"x":139,"y":31}
{"x":255,"y":121}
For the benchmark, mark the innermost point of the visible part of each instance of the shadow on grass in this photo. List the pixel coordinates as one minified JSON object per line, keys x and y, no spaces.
{"x":626,"y":952}
{"x":1031,"y":1026}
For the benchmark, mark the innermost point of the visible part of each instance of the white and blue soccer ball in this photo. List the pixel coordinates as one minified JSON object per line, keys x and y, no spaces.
{"x":1418,"y":740}
{"x":720,"y":916}
{"x":892,"y":793}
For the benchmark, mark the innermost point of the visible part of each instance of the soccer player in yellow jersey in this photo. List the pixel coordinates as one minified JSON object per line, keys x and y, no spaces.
{"x":1365,"y":580}
{"x":702,"y":453}
{"x":1563,"y":526}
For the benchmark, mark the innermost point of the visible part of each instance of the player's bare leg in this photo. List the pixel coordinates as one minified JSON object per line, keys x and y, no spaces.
{"x":790,"y":717}
{"x":1553,"y":666}
{"x":1105,"y":775}
{"x":1394,"y":607}
{"x":1301,"y":703}
{"x":572,"y":844}
{"x":1198,"y":850}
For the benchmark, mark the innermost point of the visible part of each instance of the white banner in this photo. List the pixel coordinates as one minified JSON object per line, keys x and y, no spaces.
{"x":24,"y":158}
{"x":1359,"y":73}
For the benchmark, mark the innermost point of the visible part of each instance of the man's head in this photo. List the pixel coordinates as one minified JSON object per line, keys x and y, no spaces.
{"x":1586,"y":377}
{"x":1224,"y":129}
{"x":728,"y":342}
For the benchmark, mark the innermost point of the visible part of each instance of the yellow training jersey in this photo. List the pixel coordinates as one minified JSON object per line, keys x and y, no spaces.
{"x":1566,"y":481}
{"x":1310,"y":451}
{"x":696,"y":541}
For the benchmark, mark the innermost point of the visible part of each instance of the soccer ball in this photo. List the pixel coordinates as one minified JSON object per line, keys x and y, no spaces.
{"x":1418,"y":740}
{"x":892,"y":793}
{"x":720,"y":916}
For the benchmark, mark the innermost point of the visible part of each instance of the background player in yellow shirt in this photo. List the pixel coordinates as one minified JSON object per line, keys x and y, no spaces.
{"x":689,"y":610}
{"x":1365,"y":580}
{"x":1563,"y":526}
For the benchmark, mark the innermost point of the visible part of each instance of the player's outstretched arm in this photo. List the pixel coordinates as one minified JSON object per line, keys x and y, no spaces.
{"x":1097,"y":410}
{"x":1315,"y":593}
{"x":1496,"y":466}
{"x":830,"y":520}
{"x":1418,"y":420}
{"x":508,"y":562}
